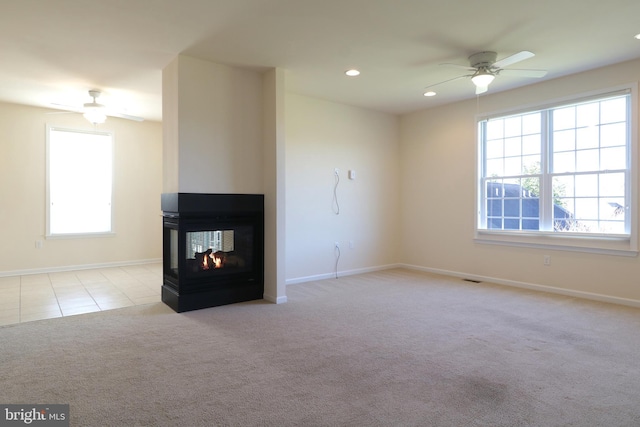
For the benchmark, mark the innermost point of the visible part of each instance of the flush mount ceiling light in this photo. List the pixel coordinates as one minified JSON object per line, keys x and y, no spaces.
{"x":430,"y":93}
{"x":352,"y":73}
{"x":637,"y":36}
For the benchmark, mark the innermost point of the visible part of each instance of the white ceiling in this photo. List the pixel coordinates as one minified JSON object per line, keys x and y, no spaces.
{"x":55,"y":51}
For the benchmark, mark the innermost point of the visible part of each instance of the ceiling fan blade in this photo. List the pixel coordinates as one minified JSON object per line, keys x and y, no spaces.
{"x":61,"y":112}
{"x":463,"y":67}
{"x":447,"y":81}
{"x":523,"y":73}
{"x":516,"y":57}
{"x":71,"y":109}
{"x":125,"y":116}
{"x":68,"y":108}
{"x":481,"y":89}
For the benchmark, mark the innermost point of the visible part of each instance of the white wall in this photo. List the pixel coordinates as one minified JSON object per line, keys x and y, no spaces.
{"x":214,"y":115}
{"x":274,"y":85}
{"x":322,"y":136}
{"x":170,"y":129}
{"x":137,"y":188}
{"x":437,"y":154}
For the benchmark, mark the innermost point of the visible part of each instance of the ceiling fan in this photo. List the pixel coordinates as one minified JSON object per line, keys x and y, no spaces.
{"x":95,"y":112}
{"x":484,"y":68}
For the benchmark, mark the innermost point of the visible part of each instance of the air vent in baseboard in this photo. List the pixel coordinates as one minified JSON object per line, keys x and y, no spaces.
{"x":472,"y":281}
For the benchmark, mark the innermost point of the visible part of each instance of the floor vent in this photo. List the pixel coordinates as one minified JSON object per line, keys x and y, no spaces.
{"x":472,"y":281}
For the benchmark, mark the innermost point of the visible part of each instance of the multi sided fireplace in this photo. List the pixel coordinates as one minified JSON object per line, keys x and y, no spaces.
{"x":213,"y":249}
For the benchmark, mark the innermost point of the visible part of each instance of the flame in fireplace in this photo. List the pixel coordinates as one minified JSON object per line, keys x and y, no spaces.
{"x":211,"y":260}
{"x":217,"y":261}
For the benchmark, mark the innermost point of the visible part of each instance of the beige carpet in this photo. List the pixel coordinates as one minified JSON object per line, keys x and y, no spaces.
{"x":394,"y":348}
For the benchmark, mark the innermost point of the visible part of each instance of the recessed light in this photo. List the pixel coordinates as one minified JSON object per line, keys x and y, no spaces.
{"x":637,"y":36}
{"x":430,"y":93}
{"x":352,"y":73}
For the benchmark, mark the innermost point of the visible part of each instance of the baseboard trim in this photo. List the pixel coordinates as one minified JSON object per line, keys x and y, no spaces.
{"x":526,"y":285}
{"x":275,"y":300}
{"x":46,"y":270}
{"x":324,"y":276}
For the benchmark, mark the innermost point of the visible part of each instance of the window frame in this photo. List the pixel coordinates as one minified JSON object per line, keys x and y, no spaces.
{"x":611,"y":244}
{"x":84,"y":234}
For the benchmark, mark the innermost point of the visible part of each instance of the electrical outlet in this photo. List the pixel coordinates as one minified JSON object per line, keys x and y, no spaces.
{"x":336,"y":171}
{"x":547,"y":260}
{"x":351,"y":245}
{"x":38,"y":244}
{"x":336,"y":245}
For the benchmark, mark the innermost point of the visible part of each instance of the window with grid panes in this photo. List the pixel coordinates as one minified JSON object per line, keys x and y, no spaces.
{"x":565,"y":170}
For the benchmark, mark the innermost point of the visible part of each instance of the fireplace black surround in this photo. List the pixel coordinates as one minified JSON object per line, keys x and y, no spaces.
{"x":213,"y":249}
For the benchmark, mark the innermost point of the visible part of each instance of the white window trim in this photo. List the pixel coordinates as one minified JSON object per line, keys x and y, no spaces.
{"x":601,"y":244}
{"x":48,"y":234}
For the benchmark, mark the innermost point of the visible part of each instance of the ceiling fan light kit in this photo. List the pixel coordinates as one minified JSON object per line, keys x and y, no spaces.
{"x":95,"y":115}
{"x":482,"y":78}
{"x":93,"y":111}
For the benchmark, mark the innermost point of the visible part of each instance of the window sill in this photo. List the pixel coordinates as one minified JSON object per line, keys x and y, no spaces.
{"x":79,"y":235}
{"x":609,"y":245}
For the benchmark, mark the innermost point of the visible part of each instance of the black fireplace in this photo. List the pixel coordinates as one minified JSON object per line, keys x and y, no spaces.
{"x":213,"y":249}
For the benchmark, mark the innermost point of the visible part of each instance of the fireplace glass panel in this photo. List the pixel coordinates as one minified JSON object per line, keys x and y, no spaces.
{"x":220,"y":251}
{"x":219,"y":240}
{"x":173,"y":251}
{"x":170,"y":257}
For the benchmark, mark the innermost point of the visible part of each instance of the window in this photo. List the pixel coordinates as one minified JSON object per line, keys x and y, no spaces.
{"x":560,"y":176}
{"x":79,"y":182}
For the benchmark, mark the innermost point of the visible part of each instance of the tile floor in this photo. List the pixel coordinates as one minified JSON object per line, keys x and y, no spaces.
{"x":44,"y":296}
